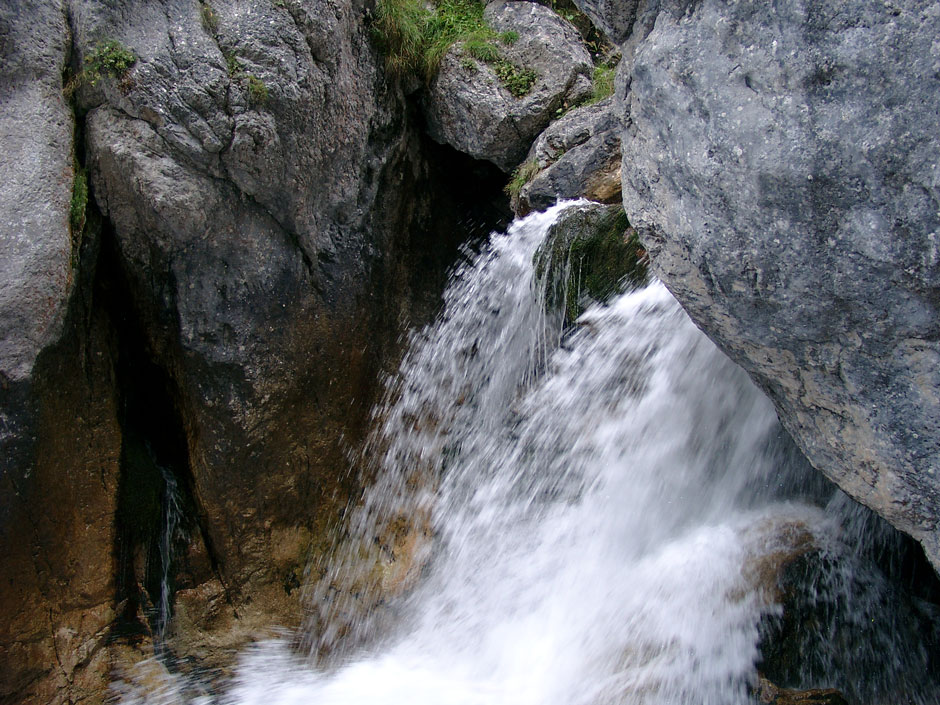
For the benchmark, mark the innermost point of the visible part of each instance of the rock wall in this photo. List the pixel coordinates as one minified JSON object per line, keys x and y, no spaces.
{"x":260,"y":232}
{"x":59,"y":437}
{"x":781,"y":164}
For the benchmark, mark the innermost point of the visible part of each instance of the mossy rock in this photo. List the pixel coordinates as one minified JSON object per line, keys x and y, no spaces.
{"x":591,"y":255}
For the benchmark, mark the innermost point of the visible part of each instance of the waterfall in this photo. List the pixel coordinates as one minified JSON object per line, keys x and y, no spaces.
{"x":588,"y":517}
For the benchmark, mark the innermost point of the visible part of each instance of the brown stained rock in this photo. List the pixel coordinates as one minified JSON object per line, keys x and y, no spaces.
{"x":57,"y":534}
{"x":603,"y":186}
{"x":773,"y":546}
{"x":273,"y":252}
{"x":770,"y":694}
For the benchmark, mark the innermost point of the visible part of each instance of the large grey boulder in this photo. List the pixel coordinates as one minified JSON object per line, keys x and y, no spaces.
{"x":36,"y":131}
{"x":577,"y":155}
{"x":782,"y":167}
{"x":254,"y":248}
{"x":251,"y":162}
{"x":467,"y":106}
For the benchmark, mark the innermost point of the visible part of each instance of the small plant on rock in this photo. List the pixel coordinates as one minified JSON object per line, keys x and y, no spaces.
{"x":517,"y":79}
{"x":79,"y":200}
{"x":209,"y":17}
{"x":235,"y":67}
{"x":523,"y":174}
{"x":257,"y":91}
{"x":109,"y":58}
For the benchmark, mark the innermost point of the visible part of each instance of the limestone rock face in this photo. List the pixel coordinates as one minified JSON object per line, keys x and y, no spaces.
{"x":469,"y":108}
{"x":257,"y":248}
{"x":256,"y":168}
{"x":36,"y":128}
{"x":782,"y":167}
{"x":577,"y":155}
{"x":59,"y":437}
{"x":615,"y":18}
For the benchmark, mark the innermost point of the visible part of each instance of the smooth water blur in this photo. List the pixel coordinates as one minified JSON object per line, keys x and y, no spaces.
{"x":602,"y":517}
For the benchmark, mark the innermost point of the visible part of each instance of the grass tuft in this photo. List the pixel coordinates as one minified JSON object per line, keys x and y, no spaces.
{"x":109,"y":58}
{"x":209,"y":17}
{"x":523,"y":174}
{"x":415,"y":38}
{"x":603,"y":83}
{"x":79,"y":200}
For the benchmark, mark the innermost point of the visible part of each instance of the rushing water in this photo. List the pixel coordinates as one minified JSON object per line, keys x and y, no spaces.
{"x":589,"y":518}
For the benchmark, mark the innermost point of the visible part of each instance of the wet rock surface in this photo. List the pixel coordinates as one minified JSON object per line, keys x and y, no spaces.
{"x":263,"y":232}
{"x":470,"y":108}
{"x":780,"y":164}
{"x":590,"y":255}
{"x":770,"y":694}
{"x":59,"y":437}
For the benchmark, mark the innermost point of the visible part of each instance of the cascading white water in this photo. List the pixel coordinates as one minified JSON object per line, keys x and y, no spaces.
{"x":600,"y":511}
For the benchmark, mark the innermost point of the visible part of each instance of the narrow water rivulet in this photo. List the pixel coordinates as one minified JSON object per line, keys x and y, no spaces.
{"x":589,"y":517}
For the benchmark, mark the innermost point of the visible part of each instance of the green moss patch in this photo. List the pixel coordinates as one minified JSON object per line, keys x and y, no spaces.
{"x":591,"y":255}
{"x":79,"y":200}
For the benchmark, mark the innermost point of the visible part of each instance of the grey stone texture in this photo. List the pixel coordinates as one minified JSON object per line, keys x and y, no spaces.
{"x":615,"y":18}
{"x":468,"y":108}
{"x":577,"y":155}
{"x":783,"y":168}
{"x":36,"y":132}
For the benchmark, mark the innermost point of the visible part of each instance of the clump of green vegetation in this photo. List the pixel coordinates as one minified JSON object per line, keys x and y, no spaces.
{"x":209,"y":17}
{"x":79,"y":200}
{"x":523,"y":174}
{"x":109,"y":58}
{"x":516,"y":79}
{"x":416,"y":38}
{"x":482,"y":50}
{"x":603,"y":83}
{"x":235,"y":66}
{"x":257,"y":91}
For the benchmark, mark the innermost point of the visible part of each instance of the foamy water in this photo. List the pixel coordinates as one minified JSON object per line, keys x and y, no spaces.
{"x":595,"y":509}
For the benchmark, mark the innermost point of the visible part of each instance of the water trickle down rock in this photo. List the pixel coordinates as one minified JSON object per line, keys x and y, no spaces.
{"x":590,"y":255}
